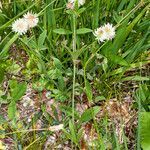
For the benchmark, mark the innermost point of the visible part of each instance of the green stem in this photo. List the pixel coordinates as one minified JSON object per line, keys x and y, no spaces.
{"x":139,"y":115}
{"x":139,"y":124}
{"x":73,"y":90}
{"x":74,"y":67}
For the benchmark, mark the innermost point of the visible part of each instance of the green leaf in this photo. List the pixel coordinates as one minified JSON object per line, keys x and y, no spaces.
{"x":118,"y":60}
{"x":89,"y":114}
{"x":19,"y":91}
{"x":88,"y":90}
{"x":78,"y":52}
{"x":136,"y":78}
{"x":81,"y":10}
{"x":83,"y":30}
{"x":62,"y":31}
{"x":42,"y":38}
{"x":145,"y":130}
{"x":58,"y":64}
{"x":73,"y":132}
{"x":7,"y":46}
{"x":99,"y":98}
{"x":119,"y":40}
{"x":61,"y":83}
{"x":143,"y":93}
{"x":122,"y":34}
{"x":1,"y":74}
{"x":12,"y":110}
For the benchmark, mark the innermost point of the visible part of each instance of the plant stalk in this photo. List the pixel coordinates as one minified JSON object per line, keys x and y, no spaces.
{"x":74,"y":67}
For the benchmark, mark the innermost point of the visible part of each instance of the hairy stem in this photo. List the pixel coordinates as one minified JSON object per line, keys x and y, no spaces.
{"x":74,"y":67}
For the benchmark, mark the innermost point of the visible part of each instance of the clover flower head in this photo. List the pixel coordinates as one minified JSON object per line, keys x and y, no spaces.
{"x":20,"y":26}
{"x":32,"y":19}
{"x":105,"y":32}
{"x":109,"y":31}
{"x":99,"y":34}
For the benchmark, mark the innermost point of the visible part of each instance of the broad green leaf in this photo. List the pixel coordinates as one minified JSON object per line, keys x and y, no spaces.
{"x":19,"y":91}
{"x":99,"y":98}
{"x":12,"y":110}
{"x":62,"y":31}
{"x":119,"y":40}
{"x":81,"y":10}
{"x":96,"y":14}
{"x":42,"y":38}
{"x":145,"y":130}
{"x":116,"y":59}
{"x":58,"y":64}
{"x":83,"y":30}
{"x":61,"y":83}
{"x":89,"y":114}
{"x":51,"y":23}
{"x":88,"y":90}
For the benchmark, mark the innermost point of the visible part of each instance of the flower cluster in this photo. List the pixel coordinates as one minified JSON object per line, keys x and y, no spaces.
{"x":105,"y":32}
{"x":71,"y":3}
{"x":28,"y":21}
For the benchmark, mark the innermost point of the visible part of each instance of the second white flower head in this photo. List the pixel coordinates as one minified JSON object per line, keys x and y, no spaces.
{"x":109,"y":31}
{"x":106,"y":32}
{"x":32,"y":19}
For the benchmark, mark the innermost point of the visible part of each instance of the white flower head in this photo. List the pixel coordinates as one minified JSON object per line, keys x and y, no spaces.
{"x":20,"y":26}
{"x":32,"y":19}
{"x":100,"y":35}
{"x":109,"y":31}
{"x":106,"y":32}
{"x":80,"y":2}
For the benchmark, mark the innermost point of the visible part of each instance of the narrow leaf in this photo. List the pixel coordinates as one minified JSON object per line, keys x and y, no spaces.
{"x":1,"y":74}
{"x":62,"y":31}
{"x":88,"y":90}
{"x":12,"y":110}
{"x":7,"y":46}
{"x":83,"y":30}
{"x":41,"y":38}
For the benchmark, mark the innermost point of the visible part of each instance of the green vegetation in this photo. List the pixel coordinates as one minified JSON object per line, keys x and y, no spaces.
{"x":63,"y":88}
